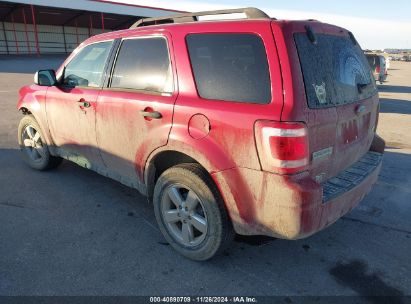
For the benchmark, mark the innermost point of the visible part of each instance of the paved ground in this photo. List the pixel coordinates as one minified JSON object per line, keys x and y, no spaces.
{"x":73,"y":232}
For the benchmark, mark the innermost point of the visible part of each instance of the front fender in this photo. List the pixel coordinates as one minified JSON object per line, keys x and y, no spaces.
{"x":33,"y":98}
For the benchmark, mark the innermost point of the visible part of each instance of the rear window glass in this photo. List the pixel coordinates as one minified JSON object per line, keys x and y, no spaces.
{"x":231,"y":67}
{"x":335,"y":70}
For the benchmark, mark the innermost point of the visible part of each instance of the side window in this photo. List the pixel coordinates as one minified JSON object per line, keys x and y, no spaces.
{"x":87,"y":67}
{"x":230,"y":67}
{"x":143,"y":64}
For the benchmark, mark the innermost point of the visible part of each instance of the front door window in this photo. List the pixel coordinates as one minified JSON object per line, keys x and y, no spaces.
{"x":86,"y":69}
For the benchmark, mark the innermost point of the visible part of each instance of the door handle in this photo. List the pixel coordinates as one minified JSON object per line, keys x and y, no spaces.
{"x":151,"y":114}
{"x":85,"y":104}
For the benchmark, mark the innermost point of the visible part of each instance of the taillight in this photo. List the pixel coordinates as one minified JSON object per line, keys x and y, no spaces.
{"x":377,"y":70}
{"x":282,"y":146}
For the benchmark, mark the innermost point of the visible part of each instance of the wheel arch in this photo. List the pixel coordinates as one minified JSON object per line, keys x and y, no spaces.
{"x":25,"y":111}
{"x":37,"y":110}
{"x":160,"y":162}
{"x":180,"y":148}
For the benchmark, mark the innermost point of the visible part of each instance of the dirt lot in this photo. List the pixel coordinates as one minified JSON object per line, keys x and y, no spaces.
{"x":73,"y":232}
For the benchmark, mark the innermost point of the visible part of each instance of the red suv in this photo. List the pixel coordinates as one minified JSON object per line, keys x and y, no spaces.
{"x":255,"y":126}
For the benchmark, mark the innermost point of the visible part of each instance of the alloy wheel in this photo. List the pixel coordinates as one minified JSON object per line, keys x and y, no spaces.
{"x":32,"y":143}
{"x":184,"y":215}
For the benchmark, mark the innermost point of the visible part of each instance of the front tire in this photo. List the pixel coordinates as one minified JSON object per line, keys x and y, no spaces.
{"x":33,"y":146}
{"x":190,"y":212}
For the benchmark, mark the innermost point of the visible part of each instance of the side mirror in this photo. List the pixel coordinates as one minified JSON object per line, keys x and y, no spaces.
{"x":45,"y":78}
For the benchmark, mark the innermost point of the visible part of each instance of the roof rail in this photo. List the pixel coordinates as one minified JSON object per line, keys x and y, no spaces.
{"x":250,"y":13}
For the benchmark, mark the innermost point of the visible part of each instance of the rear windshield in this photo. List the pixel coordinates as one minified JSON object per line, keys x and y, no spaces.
{"x":335,"y":70}
{"x":231,"y":67}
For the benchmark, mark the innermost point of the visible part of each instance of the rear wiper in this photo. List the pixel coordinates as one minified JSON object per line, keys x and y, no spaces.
{"x":362,"y":86}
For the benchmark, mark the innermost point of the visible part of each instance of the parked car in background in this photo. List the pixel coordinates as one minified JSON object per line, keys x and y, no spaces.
{"x":254,"y":126}
{"x":378,"y":66}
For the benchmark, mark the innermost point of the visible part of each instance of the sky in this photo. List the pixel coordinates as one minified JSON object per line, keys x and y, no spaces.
{"x":376,"y":24}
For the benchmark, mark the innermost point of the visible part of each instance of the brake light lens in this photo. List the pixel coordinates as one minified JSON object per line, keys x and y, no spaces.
{"x":282,"y":146}
{"x":377,"y":70}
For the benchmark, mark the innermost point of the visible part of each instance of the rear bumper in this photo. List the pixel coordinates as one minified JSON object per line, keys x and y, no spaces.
{"x":293,"y":207}
{"x":380,"y":77}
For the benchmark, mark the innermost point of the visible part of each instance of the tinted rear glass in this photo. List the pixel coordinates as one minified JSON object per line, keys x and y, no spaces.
{"x":230,"y":67}
{"x":335,"y":70}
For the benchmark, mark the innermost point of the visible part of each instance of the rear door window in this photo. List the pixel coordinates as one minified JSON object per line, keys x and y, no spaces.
{"x":335,"y":70}
{"x":143,"y":64}
{"x":231,"y":67}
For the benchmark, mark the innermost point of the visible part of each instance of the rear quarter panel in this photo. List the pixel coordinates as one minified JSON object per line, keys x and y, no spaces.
{"x":230,"y":141}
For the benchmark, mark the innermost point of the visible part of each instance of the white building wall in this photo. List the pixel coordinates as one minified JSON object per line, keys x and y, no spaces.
{"x":3,"y":49}
{"x":50,"y":38}
{"x":104,"y":7}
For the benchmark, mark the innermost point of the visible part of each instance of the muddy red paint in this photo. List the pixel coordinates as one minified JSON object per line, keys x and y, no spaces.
{"x":124,"y":132}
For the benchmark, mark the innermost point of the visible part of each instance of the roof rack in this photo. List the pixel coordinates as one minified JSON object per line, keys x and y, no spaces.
{"x":250,"y":13}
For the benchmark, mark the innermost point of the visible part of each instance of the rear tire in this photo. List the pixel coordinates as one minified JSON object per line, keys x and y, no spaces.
{"x":33,"y":146}
{"x":190,"y":212}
